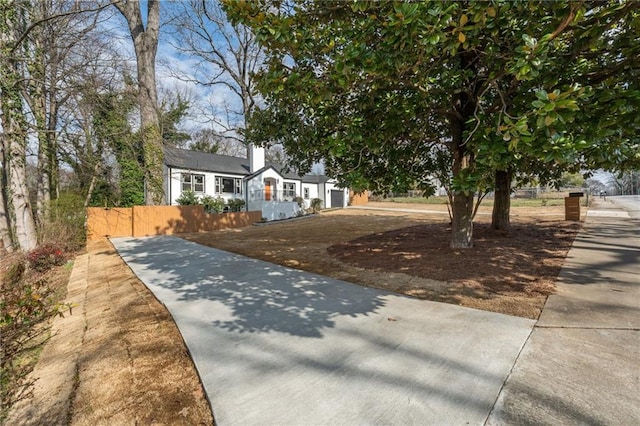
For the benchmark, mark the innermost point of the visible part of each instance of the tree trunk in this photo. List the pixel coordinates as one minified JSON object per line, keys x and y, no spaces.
{"x":502,"y":200}
{"x":462,"y":206}
{"x":462,"y":223}
{"x":463,"y":165}
{"x":14,"y":128}
{"x":5,"y":225}
{"x":145,"y":43}
{"x":464,"y":187}
{"x":24,"y":224}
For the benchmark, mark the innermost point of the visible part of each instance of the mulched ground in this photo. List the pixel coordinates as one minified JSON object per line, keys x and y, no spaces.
{"x":524,"y":262}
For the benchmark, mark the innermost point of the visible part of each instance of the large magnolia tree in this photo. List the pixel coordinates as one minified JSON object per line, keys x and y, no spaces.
{"x":386,"y":93}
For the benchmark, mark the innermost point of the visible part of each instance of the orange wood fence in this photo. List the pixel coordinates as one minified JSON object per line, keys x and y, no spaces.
{"x":358,"y":199}
{"x":140,"y":221}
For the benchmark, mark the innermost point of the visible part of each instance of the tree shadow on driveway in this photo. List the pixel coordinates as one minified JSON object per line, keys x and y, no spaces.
{"x":262,"y":297}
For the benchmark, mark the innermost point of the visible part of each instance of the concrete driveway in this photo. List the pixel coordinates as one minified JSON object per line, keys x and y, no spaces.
{"x":277,"y":346}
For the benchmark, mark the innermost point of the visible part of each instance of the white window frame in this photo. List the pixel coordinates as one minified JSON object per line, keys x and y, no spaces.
{"x":289,"y":189}
{"x":306,"y":193}
{"x":236,"y":185}
{"x":192,"y":182}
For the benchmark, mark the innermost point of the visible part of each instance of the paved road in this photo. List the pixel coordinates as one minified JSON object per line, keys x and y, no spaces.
{"x":277,"y":346}
{"x":628,"y":203}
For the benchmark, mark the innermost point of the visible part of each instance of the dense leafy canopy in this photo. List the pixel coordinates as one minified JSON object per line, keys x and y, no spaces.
{"x":389,"y":94}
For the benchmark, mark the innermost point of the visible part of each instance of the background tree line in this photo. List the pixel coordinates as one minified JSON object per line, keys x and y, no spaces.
{"x":83,"y":124}
{"x":483,"y":96}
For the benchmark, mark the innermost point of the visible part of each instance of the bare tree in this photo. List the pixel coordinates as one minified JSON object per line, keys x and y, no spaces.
{"x":226,"y":55}
{"x":145,"y":43}
{"x":14,"y":125}
{"x":35,"y":40}
{"x":211,"y":141}
{"x":83,"y":147}
{"x":53,"y":63}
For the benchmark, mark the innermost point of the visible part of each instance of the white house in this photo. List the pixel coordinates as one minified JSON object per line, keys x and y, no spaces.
{"x":264,"y":186}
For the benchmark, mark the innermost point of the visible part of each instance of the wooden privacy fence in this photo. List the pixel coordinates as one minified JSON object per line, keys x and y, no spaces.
{"x":141,"y":221}
{"x":358,"y":199}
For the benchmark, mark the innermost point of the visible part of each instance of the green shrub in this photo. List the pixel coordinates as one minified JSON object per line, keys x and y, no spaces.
{"x":27,"y":302}
{"x":65,"y":224}
{"x":236,"y":204}
{"x":188,"y":198}
{"x":316,"y":204}
{"x":300,"y":202}
{"x":213,"y":204}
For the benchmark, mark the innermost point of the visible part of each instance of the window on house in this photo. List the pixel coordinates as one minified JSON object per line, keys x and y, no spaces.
{"x":228,"y":185}
{"x":306,"y":193}
{"x":289,"y":189}
{"x":192,"y":182}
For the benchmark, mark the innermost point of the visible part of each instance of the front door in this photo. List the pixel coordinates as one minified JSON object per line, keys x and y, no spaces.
{"x":267,"y":190}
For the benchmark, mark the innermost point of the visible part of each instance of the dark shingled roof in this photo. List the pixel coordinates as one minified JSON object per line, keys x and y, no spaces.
{"x":314,"y":178}
{"x":195,"y":160}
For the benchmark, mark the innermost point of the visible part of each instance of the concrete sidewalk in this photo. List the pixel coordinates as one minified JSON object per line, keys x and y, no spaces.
{"x":581,"y":364}
{"x":277,"y":346}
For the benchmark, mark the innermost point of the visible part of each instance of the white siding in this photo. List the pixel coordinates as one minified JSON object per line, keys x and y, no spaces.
{"x":313,"y":193}
{"x":174,"y":185}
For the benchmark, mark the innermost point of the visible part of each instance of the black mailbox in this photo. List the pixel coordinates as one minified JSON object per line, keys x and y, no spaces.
{"x":576,"y":194}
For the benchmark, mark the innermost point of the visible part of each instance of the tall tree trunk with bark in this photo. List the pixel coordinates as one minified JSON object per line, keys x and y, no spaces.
{"x":14,"y":127}
{"x":462,"y":208}
{"x":145,"y":43}
{"x":5,"y":224}
{"x":502,"y":200}
{"x":463,"y":202}
{"x":36,"y":98}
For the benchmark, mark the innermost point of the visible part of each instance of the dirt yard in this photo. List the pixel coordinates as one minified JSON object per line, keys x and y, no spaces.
{"x":124,"y":362}
{"x":116,"y":359}
{"x":408,"y":253}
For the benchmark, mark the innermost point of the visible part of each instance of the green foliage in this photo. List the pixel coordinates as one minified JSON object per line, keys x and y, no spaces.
{"x":65,"y":225}
{"x":189,"y":198}
{"x":131,"y":182}
{"x":203,"y":144}
{"x":28,"y":301}
{"x":152,"y":163}
{"x":571,"y":180}
{"x":172,"y":112}
{"x":213,"y":204}
{"x":316,"y":205}
{"x":236,"y":204}
{"x":388,"y":93}
{"x":111,"y":123}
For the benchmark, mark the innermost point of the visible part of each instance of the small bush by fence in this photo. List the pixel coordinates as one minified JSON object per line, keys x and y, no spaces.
{"x":139,"y":221}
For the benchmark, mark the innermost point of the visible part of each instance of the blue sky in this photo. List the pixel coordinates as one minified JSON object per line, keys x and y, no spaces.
{"x":207,"y":103}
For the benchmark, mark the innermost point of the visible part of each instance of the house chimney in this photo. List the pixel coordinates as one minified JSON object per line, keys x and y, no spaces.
{"x":256,"y":158}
